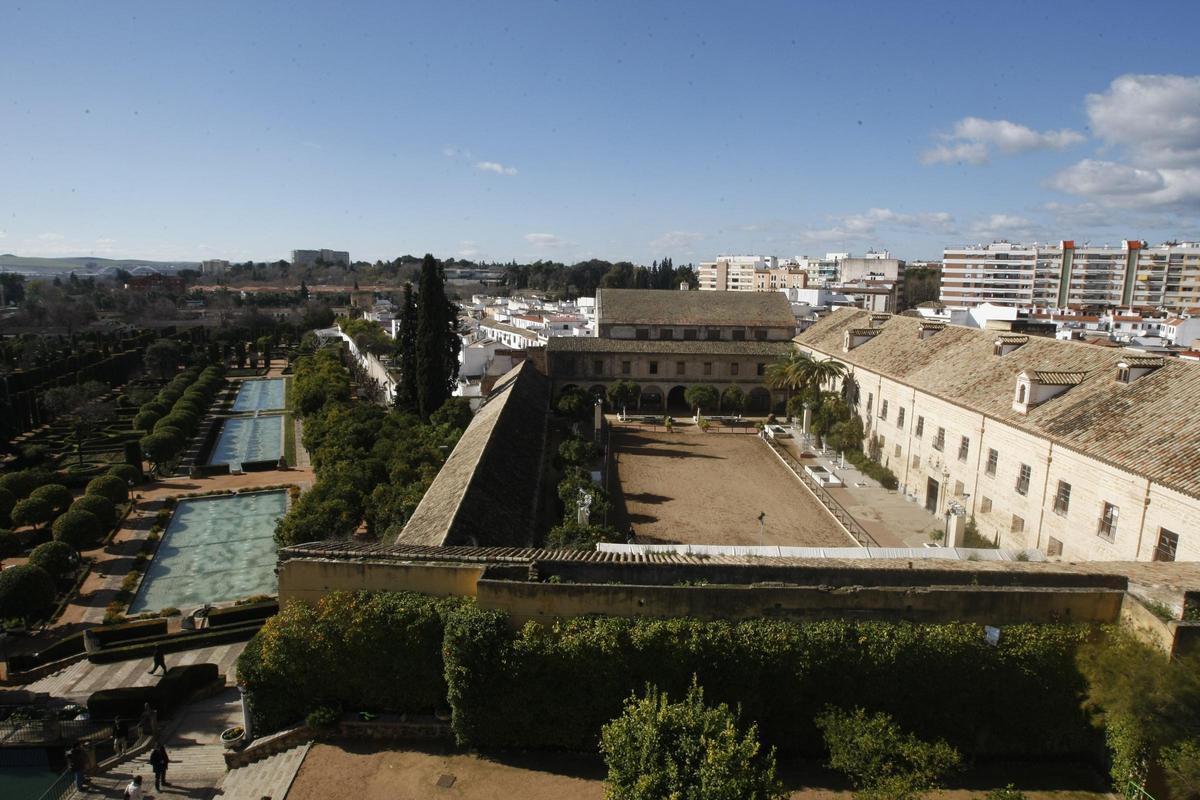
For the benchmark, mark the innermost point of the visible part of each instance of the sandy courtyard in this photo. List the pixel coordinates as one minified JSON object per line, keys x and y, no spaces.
{"x":699,"y":488}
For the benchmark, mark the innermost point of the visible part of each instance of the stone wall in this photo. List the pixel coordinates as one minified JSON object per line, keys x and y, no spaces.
{"x":308,"y":580}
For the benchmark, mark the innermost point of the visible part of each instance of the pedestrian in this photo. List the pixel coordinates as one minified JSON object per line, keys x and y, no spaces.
{"x":134,"y":790}
{"x":119,"y":735}
{"x":77,"y":763}
{"x":159,"y":660}
{"x":158,"y":763}
{"x":147,"y":721}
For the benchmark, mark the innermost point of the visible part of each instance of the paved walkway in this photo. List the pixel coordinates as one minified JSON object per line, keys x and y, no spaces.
{"x":271,"y":777}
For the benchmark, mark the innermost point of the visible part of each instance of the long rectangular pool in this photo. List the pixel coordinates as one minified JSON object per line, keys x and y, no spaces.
{"x":249,"y":439}
{"x":214,"y":549}
{"x":260,"y":395}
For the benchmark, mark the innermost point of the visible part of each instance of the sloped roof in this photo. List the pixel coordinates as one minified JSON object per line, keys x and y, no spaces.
{"x":487,"y":490}
{"x":668,"y":307}
{"x":1143,"y":427}
{"x":593,"y":344}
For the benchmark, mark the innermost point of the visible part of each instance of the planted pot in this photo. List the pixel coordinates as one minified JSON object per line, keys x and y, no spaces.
{"x":233,"y":738}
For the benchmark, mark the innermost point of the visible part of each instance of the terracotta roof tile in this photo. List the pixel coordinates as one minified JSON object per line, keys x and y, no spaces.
{"x":667,"y":307}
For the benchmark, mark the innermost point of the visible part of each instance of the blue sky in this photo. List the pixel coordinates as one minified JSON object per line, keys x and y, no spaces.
{"x":569,"y":130}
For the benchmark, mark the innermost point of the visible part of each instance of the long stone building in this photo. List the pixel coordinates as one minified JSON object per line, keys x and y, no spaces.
{"x":1084,"y":452}
{"x":666,"y":341}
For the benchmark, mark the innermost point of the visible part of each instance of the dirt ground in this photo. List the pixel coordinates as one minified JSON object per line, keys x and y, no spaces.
{"x":358,"y":770}
{"x":708,"y":488}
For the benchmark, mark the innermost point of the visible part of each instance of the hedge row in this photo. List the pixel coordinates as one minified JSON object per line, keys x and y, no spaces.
{"x":554,"y":687}
{"x":172,"y":690}
{"x":176,"y":411}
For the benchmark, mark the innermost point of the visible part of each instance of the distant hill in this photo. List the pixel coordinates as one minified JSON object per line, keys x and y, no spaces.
{"x":29,"y":264}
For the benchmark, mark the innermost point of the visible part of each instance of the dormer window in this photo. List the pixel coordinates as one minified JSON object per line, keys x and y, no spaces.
{"x":1035,"y":387}
{"x":1131,"y":368}
{"x":1006,"y":343}
{"x":1123,"y":373}
{"x":928,"y":329}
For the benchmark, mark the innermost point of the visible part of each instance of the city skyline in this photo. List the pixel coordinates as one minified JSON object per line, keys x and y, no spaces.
{"x":566,"y":132}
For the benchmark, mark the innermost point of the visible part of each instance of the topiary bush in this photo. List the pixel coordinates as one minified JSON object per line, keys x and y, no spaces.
{"x":128,"y":473}
{"x":78,"y":528}
{"x":22,"y":483}
{"x":144,"y":420}
{"x":99,"y":505}
{"x":7,"y":501}
{"x":10,"y":544}
{"x":109,"y":486}
{"x":58,"y":496}
{"x":26,"y":593}
{"x":57,"y":557}
{"x":32,"y":511}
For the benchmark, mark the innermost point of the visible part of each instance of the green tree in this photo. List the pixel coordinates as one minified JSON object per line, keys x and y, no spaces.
{"x":22,"y":483}
{"x":162,"y":358}
{"x":78,"y":528}
{"x":438,"y":343}
{"x":26,"y":593}
{"x":406,"y":350}
{"x":846,"y":435}
{"x":160,"y":447}
{"x":59,"y":497}
{"x":733,"y":401}
{"x":659,"y":750}
{"x":7,"y":501}
{"x":109,"y":486}
{"x":455,"y":413}
{"x":882,"y":761}
{"x":99,"y":505}
{"x":10,"y":544}
{"x":570,"y":534}
{"x":144,"y":420}
{"x":126,"y":472}
{"x":57,"y":557}
{"x":577,"y":483}
{"x":577,"y":452}
{"x":623,"y":394}
{"x":701,"y":397}
{"x":574,"y":403}
{"x":32,"y":511}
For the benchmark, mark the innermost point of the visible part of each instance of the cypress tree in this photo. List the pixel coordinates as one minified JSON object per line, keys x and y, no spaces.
{"x":437,"y":339}
{"x":406,"y":347}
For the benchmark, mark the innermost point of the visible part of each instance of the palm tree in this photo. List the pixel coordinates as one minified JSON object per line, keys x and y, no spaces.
{"x":791,"y":372}
{"x":826,"y":371}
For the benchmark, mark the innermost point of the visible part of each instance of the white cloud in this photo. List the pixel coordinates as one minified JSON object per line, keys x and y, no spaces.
{"x":3,"y":235}
{"x":675,"y":241}
{"x":859,"y":227}
{"x":51,"y":237}
{"x":468,"y":249}
{"x":544,"y":240}
{"x":973,"y":140}
{"x":492,"y":166}
{"x":1090,"y":177}
{"x":1005,"y":226}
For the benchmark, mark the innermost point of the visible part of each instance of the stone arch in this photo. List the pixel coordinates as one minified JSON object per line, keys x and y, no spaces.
{"x":676,"y":399}
{"x":758,"y":401}
{"x":652,"y":398}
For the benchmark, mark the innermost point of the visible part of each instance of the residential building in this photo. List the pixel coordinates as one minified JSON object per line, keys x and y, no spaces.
{"x":1084,"y":452}
{"x":666,"y":341}
{"x":310,"y":258}
{"x":511,"y":335}
{"x":733,"y":273}
{"x":214,"y":266}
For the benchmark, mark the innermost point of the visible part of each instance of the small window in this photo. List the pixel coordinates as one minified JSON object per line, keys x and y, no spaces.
{"x":1062,"y":498}
{"x":760,"y":368}
{"x":1023,"y":477}
{"x":900,"y":417}
{"x":985,"y":505}
{"x":1108,"y":522}
{"x":760,"y":334}
{"x":964,"y":447}
{"x":690,"y":334}
{"x":1054,"y":547}
{"x":598,"y":367}
{"x":680,"y":368}
{"x":713,"y":334}
{"x":916,"y":462}
{"x":653,"y":367}
{"x":897,"y":451}
{"x":1021,"y":394}
{"x":708,"y":368}
{"x":993,"y":460}
{"x":883,"y":406}
{"x":666,"y":333}
{"x":626,"y":367}
{"x":1123,"y":374}
{"x":1018,"y":524}
{"x":870,"y":401}
{"x":733,"y":368}
{"x":939,"y":441}
{"x":1168,"y":545}
{"x":642,"y":333}
{"x":738,"y":334}
{"x":959,"y":488}
{"x":920,"y":429}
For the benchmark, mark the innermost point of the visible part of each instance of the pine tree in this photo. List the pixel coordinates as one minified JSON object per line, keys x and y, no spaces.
{"x":437,"y":339}
{"x":406,"y":346}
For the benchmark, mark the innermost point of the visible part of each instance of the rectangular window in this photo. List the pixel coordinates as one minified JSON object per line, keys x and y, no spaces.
{"x":713,"y":335}
{"x":738,"y":334}
{"x":897,"y":451}
{"x":680,"y":368}
{"x":626,"y":367}
{"x":1108,"y":522}
{"x":964,"y":447}
{"x":985,"y":505}
{"x":1062,"y":498}
{"x":1168,"y":545}
{"x":939,"y":441}
{"x":760,"y":334}
{"x":900,"y":417}
{"x":666,"y":333}
{"x":870,"y":402}
{"x":993,"y":460}
{"x":689,"y":334}
{"x":653,"y":367}
{"x":760,"y":368}
{"x":1023,"y":479}
{"x":708,"y":368}
{"x":1018,"y":524}
{"x":883,"y":409}
{"x":1054,"y":547}
{"x":920,"y":429}
{"x":598,"y":367}
{"x":959,"y":488}
{"x":641,"y":333}
{"x":733,"y":368}
{"x":916,"y":462}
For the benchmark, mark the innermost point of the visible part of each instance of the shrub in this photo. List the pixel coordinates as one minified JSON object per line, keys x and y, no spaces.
{"x":26,"y":593}
{"x":885,"y":476}
{"x":99,"y":505}
{"x":125,"y":702}
{"x":128,"y":473}
{"x":32,"y":511}
{"x":10,"y":544}
{"x":160,"y":447}
{"x":387,"y":656}
{"x":58,"y":496}
{"x":658,"y":749}
{"x":78,"y":528}
{"x":7,"y":501}
{"x":571,"y":534}
{"x":144,"y":420}
{"x":22,"y":483}
{"x":109,"y":486}
{"x":322,"y":718}
{"x":176,"y":419}
{"x":881,"y":761}
{"x":57,"y":557}
{"x":577,"y":452}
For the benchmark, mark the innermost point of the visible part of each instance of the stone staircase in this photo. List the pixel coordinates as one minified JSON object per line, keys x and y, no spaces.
{"x":271,"y":777}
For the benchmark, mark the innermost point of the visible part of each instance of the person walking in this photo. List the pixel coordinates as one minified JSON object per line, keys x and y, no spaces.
{"x":159,"y":660}
{"x":120,"y":735}
{"x":148,"y":721}
{"x":134,"y":790}
{"x":77,"y":763}
{"x":158,"y":763}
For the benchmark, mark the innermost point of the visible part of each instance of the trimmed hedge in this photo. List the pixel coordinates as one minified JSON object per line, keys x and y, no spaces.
{"x":552,"y":688}
{"x":98,"y":505}
{"x":113,"y":635}
{"x":363,"y":651}
{"x":236,"y":615}
{"x":57,"y":558}
{"x":174,"y":643}
{"x":172,"y":690}
{"x":78,"y":528}
{"x":109,"y":486}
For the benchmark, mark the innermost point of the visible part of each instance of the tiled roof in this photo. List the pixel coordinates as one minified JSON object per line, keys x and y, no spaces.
{"x":503,"y":326}
{"x":933,"y":326}
{"x":594,"y":344}
{"x":488,"y":488}
{"x":865,"y":331}
{"x":1012,"y":338}
{"x":673,"y":307}
{"x":1142,"y":427}
{"x":1145,"y":362}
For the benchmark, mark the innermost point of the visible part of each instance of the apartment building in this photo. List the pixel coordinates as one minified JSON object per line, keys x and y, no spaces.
{"x":214,"y":266}
{"x":309,"y":258}
{"x":1165,"y":276}
{"x":1084,"y":452}
{"x":733,"y":273}
{"x":666,"y":341}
